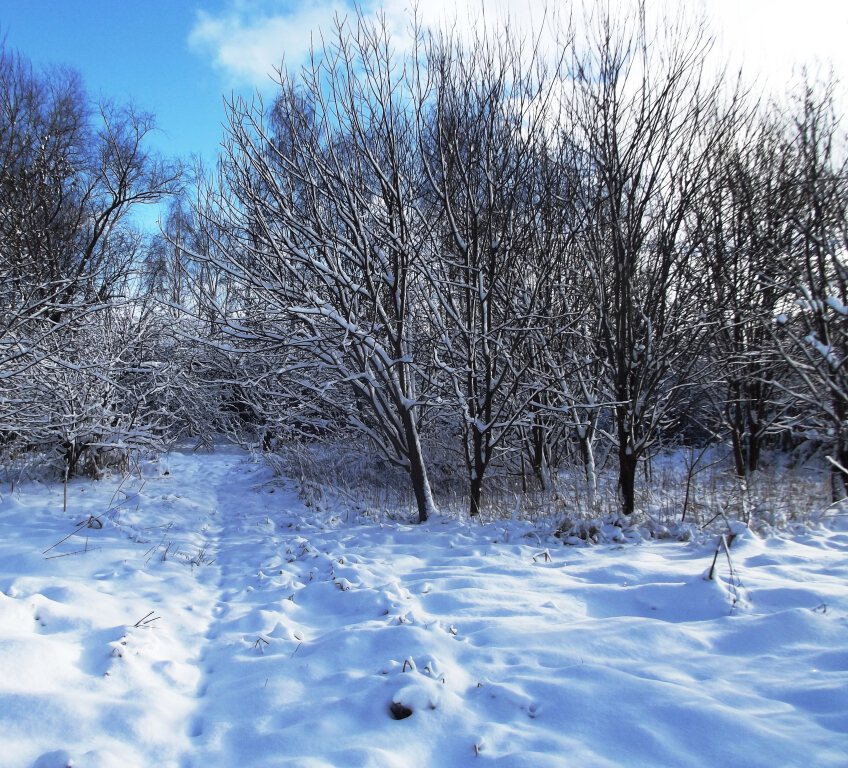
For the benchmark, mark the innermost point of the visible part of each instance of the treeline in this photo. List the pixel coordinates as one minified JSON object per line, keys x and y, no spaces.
{"x":485,"y":256}
{"x":78,"y":343}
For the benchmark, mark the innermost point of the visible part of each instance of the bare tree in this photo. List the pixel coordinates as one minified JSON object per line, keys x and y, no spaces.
{"x":485,"y":137}
{"x":745,"y":226}
{"x":812,"y":329}
{"x":68,"y":179}
{"x":642,"y":110}
{"x":321,"y":204}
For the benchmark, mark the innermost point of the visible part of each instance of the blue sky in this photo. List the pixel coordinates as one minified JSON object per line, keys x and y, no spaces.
{"x":177,"y":58}
{"x":128,"y":50}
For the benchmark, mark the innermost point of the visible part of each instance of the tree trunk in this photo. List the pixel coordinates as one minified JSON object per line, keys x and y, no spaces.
{"x":838,"y":474}
{"x":587,"y":453}
{"x":540,"y":456}
{"x":739,"y":463}
{"x":73,"y":451}
{"x":754,"y":447}
{"x":418,"y":470}
{"x":477,"y":461}
{"x":475,"y":495}
{"x":737,"y":430}
{"x":627,"y":464}
{"x":746,"y":437}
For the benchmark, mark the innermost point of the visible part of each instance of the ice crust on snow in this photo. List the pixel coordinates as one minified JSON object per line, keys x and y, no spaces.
{"x":214,"y":621}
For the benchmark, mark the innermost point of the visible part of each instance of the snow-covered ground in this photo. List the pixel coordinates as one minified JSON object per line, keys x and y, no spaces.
{"x":203,"y":617}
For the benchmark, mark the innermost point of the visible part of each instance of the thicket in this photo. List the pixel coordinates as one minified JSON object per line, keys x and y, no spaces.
{"x":485,"y":258}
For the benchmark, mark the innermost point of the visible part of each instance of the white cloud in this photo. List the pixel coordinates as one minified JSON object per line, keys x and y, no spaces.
{"x":248,"y":41}
{"x":773,"y":39}
{"x":249,"y":38}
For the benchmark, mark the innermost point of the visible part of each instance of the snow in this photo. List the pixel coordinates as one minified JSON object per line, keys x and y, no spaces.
{"x":212,"y":620}
{"x":825,"y":350}
{"x":836,"y":305}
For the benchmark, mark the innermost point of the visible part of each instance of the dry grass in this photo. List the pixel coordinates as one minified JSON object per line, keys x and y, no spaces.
{"x":678,"y":494}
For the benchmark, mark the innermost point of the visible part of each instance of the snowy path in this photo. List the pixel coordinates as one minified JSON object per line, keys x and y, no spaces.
{"x":279,"y":640}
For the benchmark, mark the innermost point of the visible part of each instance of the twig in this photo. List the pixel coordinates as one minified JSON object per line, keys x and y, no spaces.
{"x":161,"y":542}
{"x":68,"y":554}
{"x":261,"y":648}
{"x":85,"y":524}
{"x":117,"y":490}
{"x":146,"y":621}
{"x":691,"y":467}
{"x":711,"y":573}
{"x":91,"y":522}
{"x":724,"y":543}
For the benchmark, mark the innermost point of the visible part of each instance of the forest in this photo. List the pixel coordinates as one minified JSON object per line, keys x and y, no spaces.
{"x":476,"y":264}
{"x":484,"y":401}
